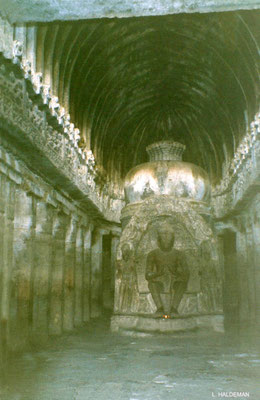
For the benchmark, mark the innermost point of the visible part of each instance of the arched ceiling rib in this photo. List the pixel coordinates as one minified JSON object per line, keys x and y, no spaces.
{"x":128,"y":83}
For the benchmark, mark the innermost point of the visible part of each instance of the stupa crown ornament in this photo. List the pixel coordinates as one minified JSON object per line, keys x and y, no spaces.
{"x":166,"y":150}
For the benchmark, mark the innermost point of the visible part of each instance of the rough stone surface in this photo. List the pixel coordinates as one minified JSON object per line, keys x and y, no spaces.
{"x":50,"y":10}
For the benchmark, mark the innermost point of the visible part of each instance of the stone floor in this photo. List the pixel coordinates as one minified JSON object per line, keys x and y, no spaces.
{"x":94,"y":364}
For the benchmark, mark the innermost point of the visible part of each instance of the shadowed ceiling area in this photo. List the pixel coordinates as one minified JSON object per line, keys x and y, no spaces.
{"x":130,"y":82}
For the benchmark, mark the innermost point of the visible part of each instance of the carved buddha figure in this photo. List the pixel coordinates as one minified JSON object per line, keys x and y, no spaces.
{"x":166,"y":271}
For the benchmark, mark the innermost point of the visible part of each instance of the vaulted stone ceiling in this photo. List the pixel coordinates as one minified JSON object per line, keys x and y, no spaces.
{"x":51,"y":10}
{"x":130,"y":82}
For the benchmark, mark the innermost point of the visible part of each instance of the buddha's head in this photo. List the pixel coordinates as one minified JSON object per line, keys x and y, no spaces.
{"x":126,"y":251}
{"x":165,"y":237}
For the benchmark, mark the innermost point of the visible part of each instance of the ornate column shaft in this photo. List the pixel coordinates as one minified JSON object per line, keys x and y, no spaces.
{"x":21,"y":301}
{"x":250,"y":271}
{"x":87,"y":273}
{"x":57,"y":274}
{"x":69,"y":275}
{"x":78,"y":315}
{"x":42,"y":267}
{"x":256,"y":235}
{"x":7,"y":191}
{"x":96,"y":273}
{"x":114,"y":245}
{"x":243,"y":284}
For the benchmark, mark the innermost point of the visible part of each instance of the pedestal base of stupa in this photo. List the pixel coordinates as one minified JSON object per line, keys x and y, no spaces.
{"x":136,"y":324}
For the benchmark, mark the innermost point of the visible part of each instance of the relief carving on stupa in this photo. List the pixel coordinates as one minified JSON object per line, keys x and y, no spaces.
{"x":190,"y":269}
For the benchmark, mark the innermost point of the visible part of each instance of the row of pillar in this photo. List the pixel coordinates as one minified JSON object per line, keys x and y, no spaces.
{"x":241,"y":250}
{"x":50,"y":268}
{"x":248,"y":256}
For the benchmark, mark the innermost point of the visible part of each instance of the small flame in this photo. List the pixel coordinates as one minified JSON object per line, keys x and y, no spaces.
{"x":166,"y":316}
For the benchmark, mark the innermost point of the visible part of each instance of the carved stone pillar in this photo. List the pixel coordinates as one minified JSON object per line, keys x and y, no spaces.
{"x":96,"y":273}
{"x":2,"y":224}
{"x":57,"y":274}
{"x":114,"y":246}
{"x":250,"y":271}
{"x":243,"y":283}
{"x":7,"y":191}
{"x":42,"y":268}
{"x":69,"y":275}
{"x":21,"y":302}
{"x":87,"y":273}
{"x":256,"y":235}
{"x":78,"y":314}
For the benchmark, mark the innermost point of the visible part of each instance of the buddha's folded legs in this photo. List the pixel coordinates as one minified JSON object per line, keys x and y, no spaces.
{"x":178,"y":291}
{"x":154,"y":288}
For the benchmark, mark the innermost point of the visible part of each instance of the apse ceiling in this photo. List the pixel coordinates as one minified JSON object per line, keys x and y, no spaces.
{"x":127,"y":83}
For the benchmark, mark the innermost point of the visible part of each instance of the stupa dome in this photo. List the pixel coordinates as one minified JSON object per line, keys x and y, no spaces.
{"x":166,"y":173}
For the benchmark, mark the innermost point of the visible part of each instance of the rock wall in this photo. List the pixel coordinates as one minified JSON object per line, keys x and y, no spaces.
{"x":45,"y":259}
